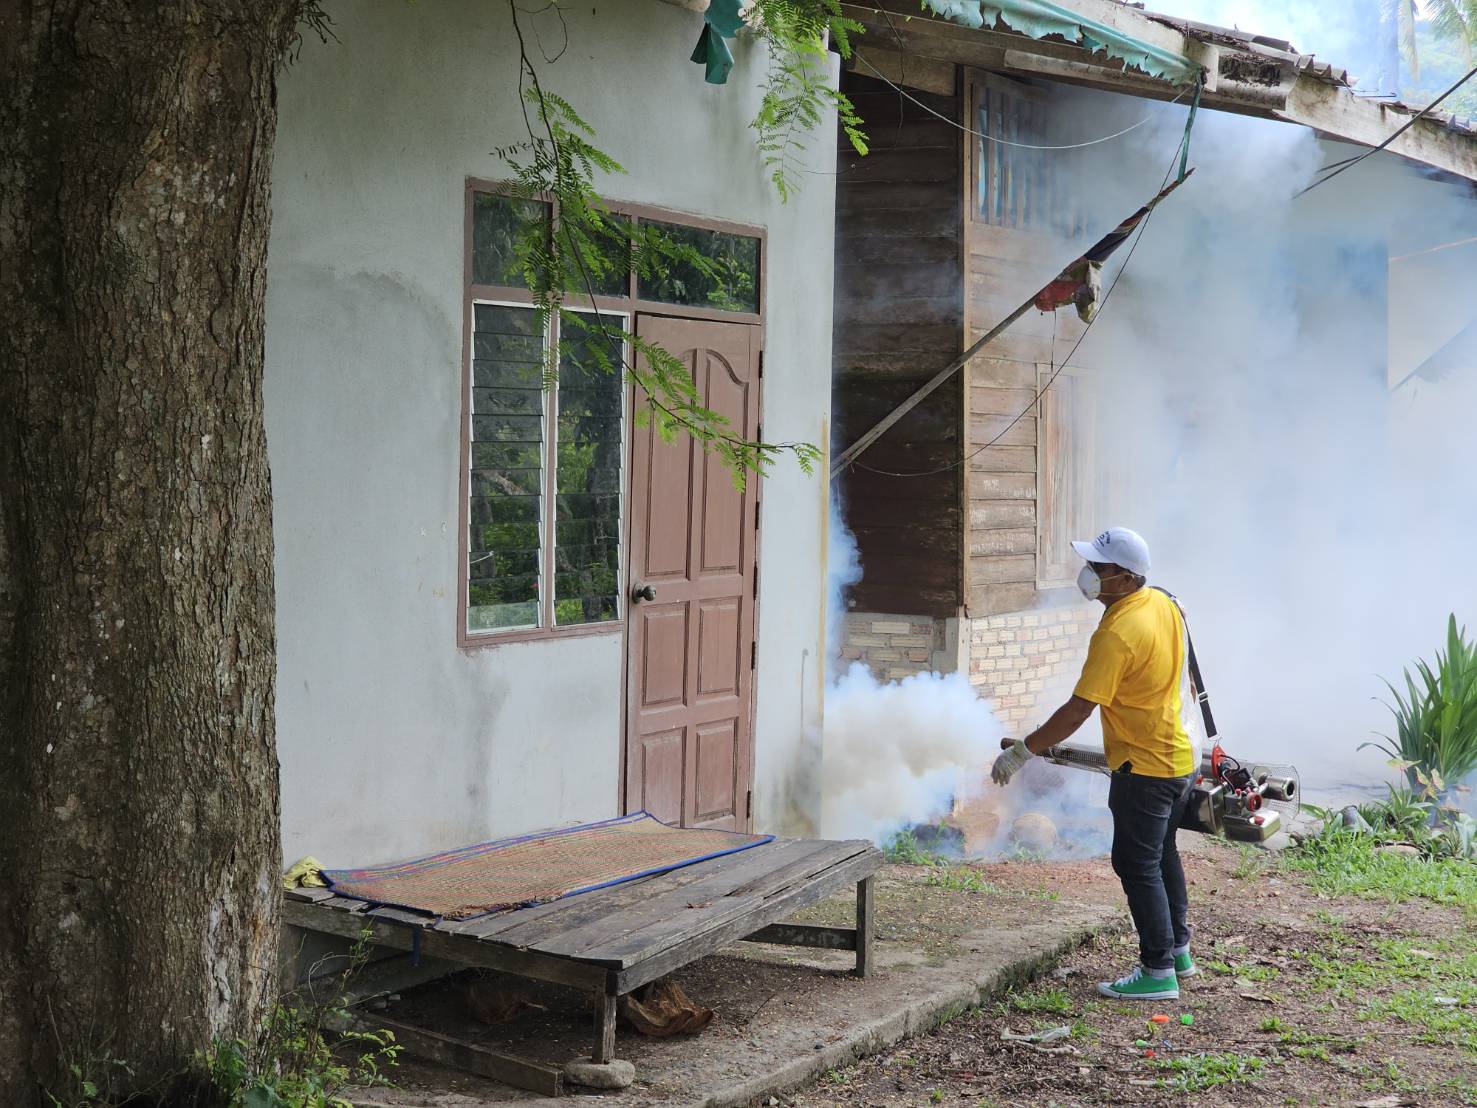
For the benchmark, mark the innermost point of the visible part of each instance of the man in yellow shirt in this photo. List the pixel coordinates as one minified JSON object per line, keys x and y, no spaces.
{"x":1136,"y":674}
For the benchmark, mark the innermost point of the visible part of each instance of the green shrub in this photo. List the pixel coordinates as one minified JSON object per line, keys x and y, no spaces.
{"x":1435,"y":740}
{"x":296,"y":1067}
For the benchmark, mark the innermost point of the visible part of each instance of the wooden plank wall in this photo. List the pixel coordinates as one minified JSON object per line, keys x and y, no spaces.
{"x":899,"y":318}
{"x":1007,"y":503}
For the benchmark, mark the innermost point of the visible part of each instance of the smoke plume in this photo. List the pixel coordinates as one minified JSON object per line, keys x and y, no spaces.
{"x":1283,"y":399}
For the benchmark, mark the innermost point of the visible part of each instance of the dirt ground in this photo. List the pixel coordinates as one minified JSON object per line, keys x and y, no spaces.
{"x":775,"y":1006}
{"x":1304,"y":998}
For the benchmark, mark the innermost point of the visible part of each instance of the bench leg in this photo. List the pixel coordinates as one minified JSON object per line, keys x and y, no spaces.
{"x":864,"y":927}
{"x":605,"y":1030}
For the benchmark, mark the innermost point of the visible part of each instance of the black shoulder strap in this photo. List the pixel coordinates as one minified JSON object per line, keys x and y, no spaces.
{"x":1199,"y":682}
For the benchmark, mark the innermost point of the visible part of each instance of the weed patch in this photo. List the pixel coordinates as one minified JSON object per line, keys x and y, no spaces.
{"x":1057,"y":1001}
{"x":1195,"y":1073}
{"x":961,"y":879}
{"x":1344,"y":863}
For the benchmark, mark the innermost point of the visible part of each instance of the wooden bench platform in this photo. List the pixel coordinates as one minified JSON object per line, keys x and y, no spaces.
{"x":614,"y":940}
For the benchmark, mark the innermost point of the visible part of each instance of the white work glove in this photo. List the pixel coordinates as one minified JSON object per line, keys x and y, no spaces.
{"x":1009,"y":763}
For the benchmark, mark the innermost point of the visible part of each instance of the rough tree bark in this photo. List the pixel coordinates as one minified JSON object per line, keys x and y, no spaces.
{"x":139,"y":841}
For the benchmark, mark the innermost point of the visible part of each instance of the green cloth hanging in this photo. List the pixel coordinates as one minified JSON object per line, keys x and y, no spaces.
{"x":711,"y":51}
{"x":722,"y":20}
{"x":723,"y":16}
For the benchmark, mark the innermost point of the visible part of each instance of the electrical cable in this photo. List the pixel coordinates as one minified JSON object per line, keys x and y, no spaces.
{"x":1006,"y":142}
{"x":1405,"y":127}
{"x":1056,"y":370}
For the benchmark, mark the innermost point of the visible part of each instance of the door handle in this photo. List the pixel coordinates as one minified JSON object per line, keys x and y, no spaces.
{"x":642,"y":592}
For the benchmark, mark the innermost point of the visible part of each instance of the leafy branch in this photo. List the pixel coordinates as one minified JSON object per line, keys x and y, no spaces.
{"x":797,"y":93}
{"x":586,"y":244}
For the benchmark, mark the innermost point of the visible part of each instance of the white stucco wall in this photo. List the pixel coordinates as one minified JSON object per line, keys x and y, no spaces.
{"x":392,"y":740}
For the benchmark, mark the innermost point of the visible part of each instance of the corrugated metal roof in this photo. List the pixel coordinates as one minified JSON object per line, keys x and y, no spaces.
{"x":1278,"y":48}
{"x":1283,"y":51}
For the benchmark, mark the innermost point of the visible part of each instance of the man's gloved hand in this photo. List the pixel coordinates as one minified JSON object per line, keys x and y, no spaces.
{"x":1009,"y":763}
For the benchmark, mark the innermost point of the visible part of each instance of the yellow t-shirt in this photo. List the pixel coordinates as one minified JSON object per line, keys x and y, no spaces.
{"x":1132,"y":672}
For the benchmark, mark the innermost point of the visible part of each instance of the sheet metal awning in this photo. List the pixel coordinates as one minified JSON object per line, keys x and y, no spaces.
{"x":1042,"y":19}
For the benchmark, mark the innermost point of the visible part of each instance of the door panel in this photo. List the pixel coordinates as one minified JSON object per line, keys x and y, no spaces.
{"x":660,"y":758}
{"x":689,"y":729}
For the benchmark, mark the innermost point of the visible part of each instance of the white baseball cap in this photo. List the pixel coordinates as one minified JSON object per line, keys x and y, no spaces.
{"x":1119,"y":546}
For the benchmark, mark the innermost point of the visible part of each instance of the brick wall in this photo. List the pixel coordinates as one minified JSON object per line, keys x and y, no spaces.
{"x":893,"y":646}
{"x":1026,"y":663}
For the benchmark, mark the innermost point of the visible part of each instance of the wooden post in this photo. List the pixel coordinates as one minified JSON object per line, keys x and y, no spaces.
{"x":605,"y":1029}
{"x":864,"y":927}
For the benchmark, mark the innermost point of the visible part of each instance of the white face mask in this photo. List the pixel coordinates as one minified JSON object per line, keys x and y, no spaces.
{"x":1090,"y":583}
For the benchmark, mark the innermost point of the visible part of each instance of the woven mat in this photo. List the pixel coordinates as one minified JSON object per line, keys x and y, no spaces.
{"x":533,"y":869}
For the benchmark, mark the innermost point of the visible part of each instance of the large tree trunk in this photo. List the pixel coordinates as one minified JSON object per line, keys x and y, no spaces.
{"x":139,"y":843}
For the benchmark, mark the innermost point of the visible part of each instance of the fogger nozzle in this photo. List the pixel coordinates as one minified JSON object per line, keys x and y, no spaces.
{"x":1279,"y":788}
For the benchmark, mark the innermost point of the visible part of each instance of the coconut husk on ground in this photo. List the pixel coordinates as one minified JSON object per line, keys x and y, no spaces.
{"x":661,"y":1010}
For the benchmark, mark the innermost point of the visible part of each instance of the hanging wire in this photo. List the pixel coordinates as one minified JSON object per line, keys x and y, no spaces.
{"x":1005,"y":142}
{"x":1056,"y":369}
{"x":1351,"y":163}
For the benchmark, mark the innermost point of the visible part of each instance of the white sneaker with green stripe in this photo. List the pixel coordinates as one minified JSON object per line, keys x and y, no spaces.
{"x":1139,"y":985}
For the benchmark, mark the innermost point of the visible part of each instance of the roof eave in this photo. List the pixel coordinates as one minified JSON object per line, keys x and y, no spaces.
{"x":1245,"y":78}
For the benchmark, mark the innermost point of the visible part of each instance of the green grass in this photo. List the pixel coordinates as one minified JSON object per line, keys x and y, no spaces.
{"x":1344,"y":863}
{"x":961,"y":879}
{"x":1432,"y":1023}
{"x":1251,"y":863}
{"x":1057,"y":1001}
{"x":1195,"y":1073}
{"x":1273,"y":1024}
{"x":903,"y":849}
{"x":1256,"y":973}
{"x":1398,"y":980}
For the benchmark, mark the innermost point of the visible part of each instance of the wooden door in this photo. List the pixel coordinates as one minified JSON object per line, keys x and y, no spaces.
{"x":690,"y":639}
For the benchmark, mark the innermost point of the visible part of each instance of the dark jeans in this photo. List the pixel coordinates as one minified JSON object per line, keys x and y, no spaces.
{"x":1146,"y":815}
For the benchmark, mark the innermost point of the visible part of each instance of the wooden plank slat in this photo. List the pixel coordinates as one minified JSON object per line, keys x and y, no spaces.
{"x":458,"y":1054}
{"x":987,"y":515}
{"x":402,"y":916}
{"x":1003,"y":569}
{"x":990,"y":600}
{"x":628,"y":915}
{"x":305,"y":893}
{"x":1003,"y":486}
{"x":865,"y":925}
{"x":479,"y":927}
{"x":763,"y":912}
{"x":656,"y":932}
{"x":605,"y":903}
{"x":1012,"y":540}
{"x":805,"y":934}
{"x":910,"y":70}
{"x":900,"y":308}
{"x":999,"y":458}
{"x":344,"y":903}
{"x":438,"y":944}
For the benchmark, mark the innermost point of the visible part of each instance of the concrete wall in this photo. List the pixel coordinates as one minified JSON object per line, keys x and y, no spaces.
{"x":392,"y":740}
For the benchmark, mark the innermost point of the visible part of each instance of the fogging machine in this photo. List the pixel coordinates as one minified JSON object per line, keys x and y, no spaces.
{"x":1246,"y":802}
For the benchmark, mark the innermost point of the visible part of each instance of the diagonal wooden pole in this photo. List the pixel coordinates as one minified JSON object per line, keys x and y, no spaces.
{"x":847,"y":456}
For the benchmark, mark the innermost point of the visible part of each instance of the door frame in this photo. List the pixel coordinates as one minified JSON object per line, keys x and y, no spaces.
{"x":757,"y":480}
